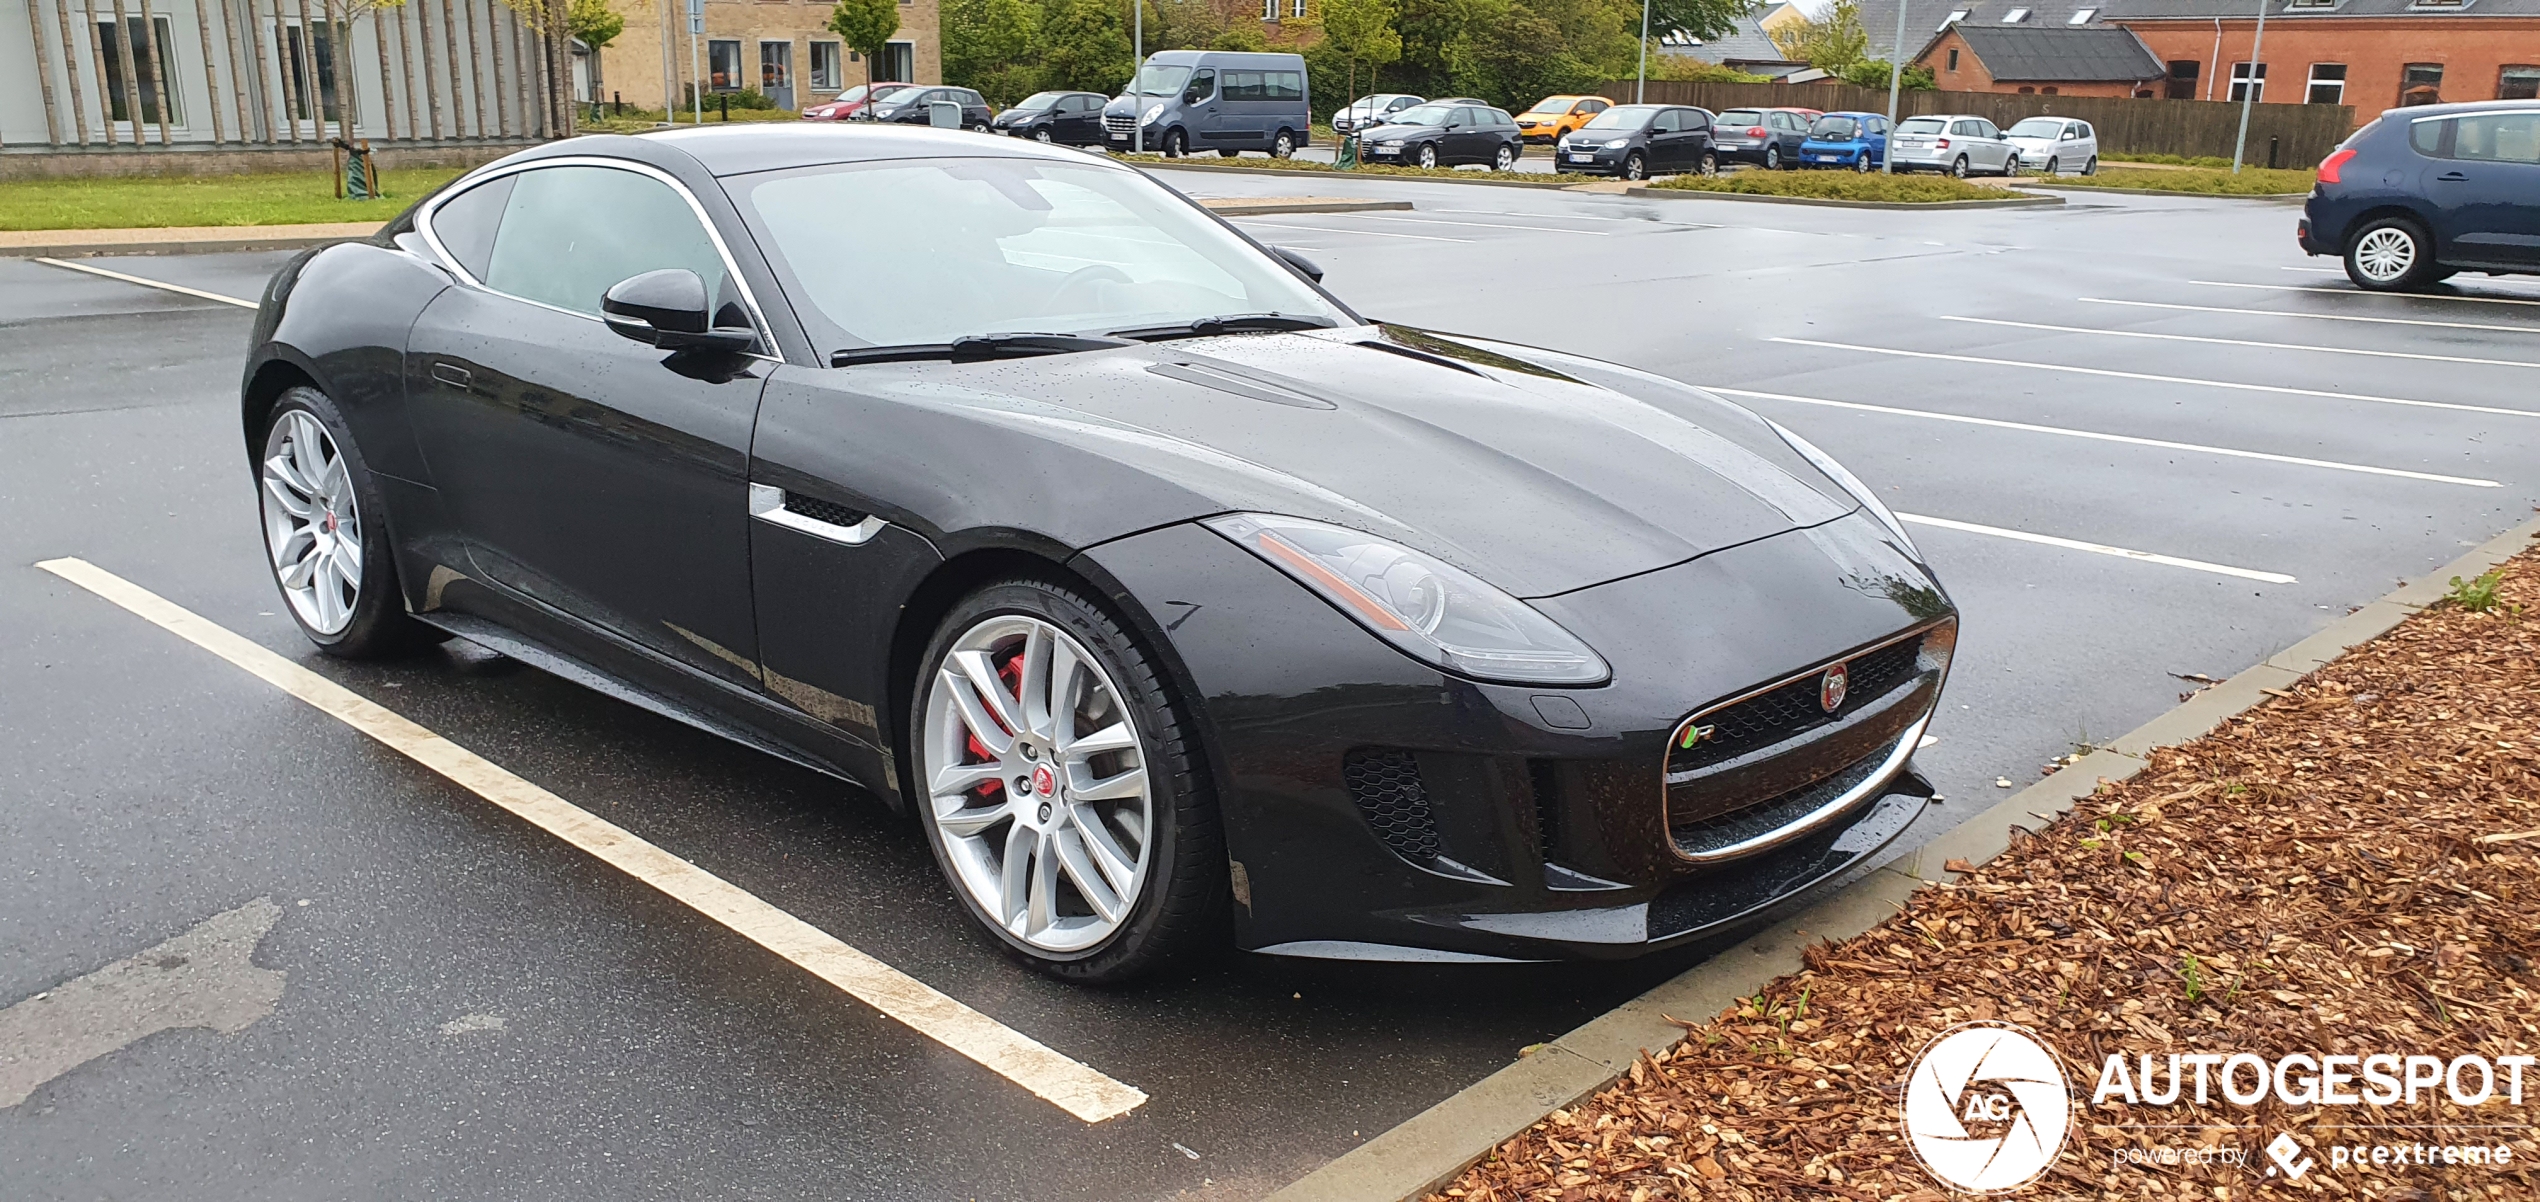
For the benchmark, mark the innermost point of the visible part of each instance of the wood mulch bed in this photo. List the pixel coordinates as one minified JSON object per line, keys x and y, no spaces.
{"x":2352,"y":867}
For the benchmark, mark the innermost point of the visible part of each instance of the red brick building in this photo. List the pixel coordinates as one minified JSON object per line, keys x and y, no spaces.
{"x":2066,"y":60}
{"x":2372,"y":54}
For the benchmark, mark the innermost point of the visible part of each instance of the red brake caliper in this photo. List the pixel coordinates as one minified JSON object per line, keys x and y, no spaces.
{"x":1012,"y":674}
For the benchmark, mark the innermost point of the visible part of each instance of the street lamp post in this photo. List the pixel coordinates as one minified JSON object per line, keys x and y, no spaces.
{"x":1641,"y":85}
{"x":1137,"y":68}
{"x":1895,"y":82}
{"x":2249,"y":87}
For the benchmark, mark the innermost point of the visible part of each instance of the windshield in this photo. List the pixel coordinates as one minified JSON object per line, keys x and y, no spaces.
{"x":1630,"y":116}
{"x":1425,"y":114}
{"x":1553,"y":106}
{"x":1923,"y":125}
{"x":947,"y":248}
{"x":1741,"y":117}
{"x":1162,"y":79}
{"x":1834,"y":129}
{"x":1037,"y":101}
{"x":2038,"y":127}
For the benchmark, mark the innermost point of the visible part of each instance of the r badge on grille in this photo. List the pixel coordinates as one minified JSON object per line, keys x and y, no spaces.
{"x":1830,"y":691}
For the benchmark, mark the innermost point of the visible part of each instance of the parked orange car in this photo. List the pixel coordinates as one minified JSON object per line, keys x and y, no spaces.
{"x":1554,"y":117}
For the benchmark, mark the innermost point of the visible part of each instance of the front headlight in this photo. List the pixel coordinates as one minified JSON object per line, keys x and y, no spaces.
{"x":1618,"y":143}
{"x":1852,"y":484}
{"x":1153,"y":111}
{"x":1431,"y":610}
{"x":1395,"y":145}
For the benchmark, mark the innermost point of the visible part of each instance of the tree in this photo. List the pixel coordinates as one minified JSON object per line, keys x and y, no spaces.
{"x":992,"y":45}
{"x":596,"y":25}
{"x":1705,"y":19}
{"x":1832,"y":42}
{"x":1874,"y":72}
{"x":1083,"y":46}
{"x":866,"y":27}
{"x":1362,"y":32}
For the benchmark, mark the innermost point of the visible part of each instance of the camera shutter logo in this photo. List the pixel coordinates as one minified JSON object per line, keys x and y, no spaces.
{"x":1987,"y":1107}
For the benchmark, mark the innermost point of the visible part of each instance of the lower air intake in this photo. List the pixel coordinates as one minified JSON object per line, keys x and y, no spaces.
{"x":1385,"y":782}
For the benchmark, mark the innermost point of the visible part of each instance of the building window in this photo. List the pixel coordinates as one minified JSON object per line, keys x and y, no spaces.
{"x":2420,"y":83}
{"x":825,"y":71}
{"x":2518,"y":82}
{"x":723,"y":65}
{"x":2048,"y":90}
{"x":152,"y":66}
{"x":2241,"y":85}
{"x":2310,"y":3}
{"x":2182,"y":83}
{"x":2082,"y":16}
{"x":1296,"y":8}
{"x":2015,"y":16}
{"x":896,"y":64}
{"x":1955,"y":15}
{"x":2026,"y":90}
{"x":1269,"y":10}
{"x":775,"y":66}
{"x":1953,"y":58}
{"x":2328,"y":83}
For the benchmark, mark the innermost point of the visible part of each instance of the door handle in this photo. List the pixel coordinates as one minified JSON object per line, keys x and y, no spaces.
{"x":452,"y":374}
{"x":2453,"y":177}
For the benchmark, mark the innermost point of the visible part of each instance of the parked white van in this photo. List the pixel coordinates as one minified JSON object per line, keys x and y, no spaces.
{"x":1225,"y":101}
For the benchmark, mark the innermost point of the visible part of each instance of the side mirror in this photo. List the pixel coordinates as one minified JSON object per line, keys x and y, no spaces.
{"x":668,"y":309}
{"x":1303,"y":265}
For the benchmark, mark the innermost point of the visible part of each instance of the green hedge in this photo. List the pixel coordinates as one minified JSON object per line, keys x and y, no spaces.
{"x":1838,"y":185}
{"x":1212,"y":160}
{"x":2194,"y":181}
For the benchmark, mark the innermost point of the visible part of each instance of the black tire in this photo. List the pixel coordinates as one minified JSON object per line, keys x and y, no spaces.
{"x":1041,"y":135}
{"x":1709,"y":165}
{"x":2370,"y":251}
{"x":2011,"y":167}
{"x":1176,"y":144}
{"x":982,"y":128}
{"x":1635,"y":166}
{"x":1505,"y":159}
{"x":1959,"y":169}
{"x":1228,"y":154}
{"x":1184,"y":905}
{"x":1429,"y":155}
{"x":1861,"y":163}
{"x":2091,"y":167}
{"x":2054,"y":167}
{"x":1773,"y":157}
{"x":380,"y":627}
{"x":1283,"y":145}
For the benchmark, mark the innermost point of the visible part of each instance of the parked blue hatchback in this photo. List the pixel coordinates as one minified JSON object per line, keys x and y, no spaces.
{"x":1855,"y":140}
{"x":2425,"y":193}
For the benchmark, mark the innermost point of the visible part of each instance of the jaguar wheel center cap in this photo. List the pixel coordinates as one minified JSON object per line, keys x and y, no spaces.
{"x":1044,"y":781}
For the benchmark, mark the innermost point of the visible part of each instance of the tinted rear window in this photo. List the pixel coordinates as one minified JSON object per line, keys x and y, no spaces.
{"x":465,"y":223}
{"x":2427,"y":137}
{"x":1834,"y":128}
{"x":1742,"y":117}
{"x":1922,"y":125}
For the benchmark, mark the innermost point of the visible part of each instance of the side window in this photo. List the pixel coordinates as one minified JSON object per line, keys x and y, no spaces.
{"x":569,"y":234}
{"x":1286,"y":85}
{"x":1666,"y":122}
{"x":2427,"y":137}
{"x":2497,"y":138}
{"x":1245,"y":85}
{"x":1697,"y":119}
{"x":465,"y":223}
{"x":1203,"y":82}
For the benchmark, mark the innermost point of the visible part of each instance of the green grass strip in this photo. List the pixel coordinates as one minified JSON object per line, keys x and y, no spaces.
{"x":1839,"y":185}
{"x":2197,"y":181}
{"x":299,"y":198}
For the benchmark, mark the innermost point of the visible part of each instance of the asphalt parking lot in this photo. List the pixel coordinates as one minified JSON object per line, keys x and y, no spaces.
{"x":2136,"y":437}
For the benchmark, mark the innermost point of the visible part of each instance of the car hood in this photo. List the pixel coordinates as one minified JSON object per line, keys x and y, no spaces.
{"x":2031,"y":143}
{"x":1539,"y":472}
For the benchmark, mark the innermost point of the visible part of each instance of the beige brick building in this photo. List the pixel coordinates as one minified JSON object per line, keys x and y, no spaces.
{"x":776,"y":46}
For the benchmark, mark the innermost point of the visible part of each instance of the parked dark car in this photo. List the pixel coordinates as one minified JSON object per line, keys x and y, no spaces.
{"x":1209,"y":611}
{"x":1068,"y":118}
{"x":847,"y":105}
{"x":1770,"y":137}
{"x":2424,"y":193}
{"x":1444,"y":135}
{"x":1854,"y":140}
{"x":915,"y":106}
{"x":1636,"y":141}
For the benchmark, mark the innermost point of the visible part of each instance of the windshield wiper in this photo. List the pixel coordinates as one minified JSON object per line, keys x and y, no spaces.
{"x":974,"y":348}
{"x":1230,"y":323}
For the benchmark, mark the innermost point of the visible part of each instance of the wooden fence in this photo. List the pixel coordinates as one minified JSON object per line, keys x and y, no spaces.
{"x":2284,"y":135}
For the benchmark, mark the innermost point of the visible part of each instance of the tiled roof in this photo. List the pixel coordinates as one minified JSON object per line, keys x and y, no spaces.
{"x":2297,"y":10}
{"x":2076,"y":55}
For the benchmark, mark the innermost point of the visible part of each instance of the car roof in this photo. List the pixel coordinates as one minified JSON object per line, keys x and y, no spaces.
{"x":2419,"y":112}
{"x":1853,"y":113}
{"x":777,"y":145}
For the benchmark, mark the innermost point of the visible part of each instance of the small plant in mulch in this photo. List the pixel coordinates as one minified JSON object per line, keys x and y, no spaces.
{"x":2350,"y":869}
{"x":1839,"y":185}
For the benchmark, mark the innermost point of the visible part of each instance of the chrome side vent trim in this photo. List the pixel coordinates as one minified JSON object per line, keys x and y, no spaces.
{"x":811,"y":516}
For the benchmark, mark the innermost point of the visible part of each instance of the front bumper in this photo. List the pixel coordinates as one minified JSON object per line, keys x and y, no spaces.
{"x":1599,"y":161}
{"x":1833,"y":156}
{"x":1397,"y":152}
{"x":1740,"y":150}
{"x":1536,"y":824}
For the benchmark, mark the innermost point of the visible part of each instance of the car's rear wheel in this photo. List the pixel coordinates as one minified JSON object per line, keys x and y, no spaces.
{"x":1283,"y":145}
{"x":1709,"y":165}
{"x":1635,"y":166}
{"x":1861,"y":163}
{"x":1773,"y":157}
{"x":1058,"y":781}
{"x":2091,"y":167}
{"x":2389,"y":254}
{"x":1505,"y":159}
{"x":1959,"y":168}
{"x":1228,"y":154}
{"x":325,"y":534}
{"x":1429,"y":155}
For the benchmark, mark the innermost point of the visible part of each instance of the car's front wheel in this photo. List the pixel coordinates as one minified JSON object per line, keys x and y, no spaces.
{"x":1041,"y":135}
{"x":2011,"y":166}
{"x":1059,"y":784}
{"x":1176,"y":144}
{"x":2389,"y":254}
{"x":326,"y":537}
{"x":1429,"y":155}
{"x":1505,"y":160}
{"x":2054,"y":167}
{"x":1861,"y":163}
{"x":1635,"y":166}
{"x":1959,"y":167}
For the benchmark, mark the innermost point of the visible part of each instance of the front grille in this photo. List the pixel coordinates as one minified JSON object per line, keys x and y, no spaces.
{"x":822,"y":511}
{"x":1707,"y":835}
{"x":1385,"y":782}
{"x":1778,"y":713}
{"x":1119,"y":123}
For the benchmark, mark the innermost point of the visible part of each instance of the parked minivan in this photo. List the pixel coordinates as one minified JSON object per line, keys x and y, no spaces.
{"x":2424,"y":193}
{"x":1220,"y":100}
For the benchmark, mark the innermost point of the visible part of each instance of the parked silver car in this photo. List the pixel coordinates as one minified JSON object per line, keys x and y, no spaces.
{"x":1958,"y":143}
{"x":2056,"y":145}
{"x":1371,"y":110}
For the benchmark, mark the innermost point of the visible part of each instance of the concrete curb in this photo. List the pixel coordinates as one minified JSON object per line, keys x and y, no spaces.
{"x":75,"y":244}
{"x":2269,"y":197}
{"x":1435,"y":1146}
{"x":2007,"y":202}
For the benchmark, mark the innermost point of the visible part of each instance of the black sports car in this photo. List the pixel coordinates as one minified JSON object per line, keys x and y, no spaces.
{"x":1175,"y":601}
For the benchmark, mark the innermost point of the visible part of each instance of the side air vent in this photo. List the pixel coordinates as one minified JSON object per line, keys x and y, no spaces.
{"x":1385,"y":782}
{"x":821,"y":511}
{"x":1547,"y":789}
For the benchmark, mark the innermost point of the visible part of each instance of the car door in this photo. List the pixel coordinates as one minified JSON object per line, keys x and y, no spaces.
{"x":589,"y":473}
{"x":2085,"y":144}
{"x":1201,"y":110}
{"x":1666,"y":141}
{"x":2486,"y":191}
{"x":1874,"y":138}
{"x":1994,"y":144}
{"x":1083,"y":120}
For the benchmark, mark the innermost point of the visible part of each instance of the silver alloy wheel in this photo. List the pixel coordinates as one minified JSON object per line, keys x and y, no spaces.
{"x":2386,"y":255}
{"x":1429,"y":155}
{"x":1037,"y":783}
{"x":1041,"y":135}
{"x":1505,"y":159}
{"x":313,"y":527}
{"x":2054,"y":167}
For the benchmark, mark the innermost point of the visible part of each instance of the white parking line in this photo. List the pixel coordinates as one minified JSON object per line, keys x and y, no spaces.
{"x":146,"y":283}
{"x":1484,"y":225}
{"x":2094,"y":435}
{"x":1342,"y":229}
{"x":2027,"y":365}
{"x":2315,"y":270}
{"x":1690,"y":225}
{"x":2071,"y":544}
{"x":2386,"y":321}
{"x":2272,"y":346}
{"x":1070,"y":1086}
{"x":2318,"y":291}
